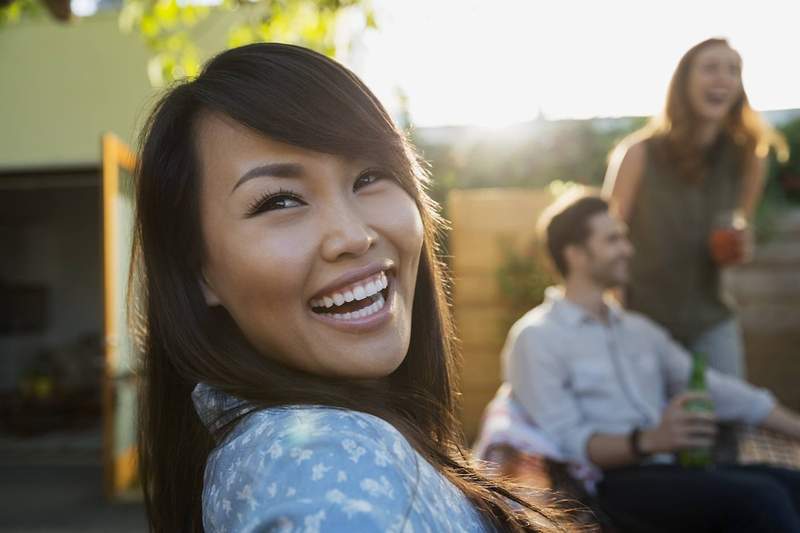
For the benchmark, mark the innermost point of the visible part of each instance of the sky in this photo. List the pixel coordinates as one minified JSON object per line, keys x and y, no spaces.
{"x":499,"y":62}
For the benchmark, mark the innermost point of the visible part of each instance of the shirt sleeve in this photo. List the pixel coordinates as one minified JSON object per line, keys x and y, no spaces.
{"x":734,"y":399}
{"x":313,"y":479}
{"x":540,"y":382}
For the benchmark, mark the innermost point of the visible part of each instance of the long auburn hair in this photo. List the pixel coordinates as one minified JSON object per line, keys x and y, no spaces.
{"x":676,"y":126}
{"x":296,"y":96}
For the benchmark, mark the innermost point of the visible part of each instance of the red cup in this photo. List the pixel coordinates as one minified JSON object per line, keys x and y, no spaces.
{"x":727,"y":239}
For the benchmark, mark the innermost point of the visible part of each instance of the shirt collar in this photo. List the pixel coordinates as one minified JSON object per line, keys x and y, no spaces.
{"x":574,"y":314}
{"x":214,"y":407}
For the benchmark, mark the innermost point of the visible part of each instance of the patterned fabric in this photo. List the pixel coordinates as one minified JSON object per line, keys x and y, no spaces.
{"x":505,"y":423}
{"x":759,"y":446}
{"x":319,"y":469}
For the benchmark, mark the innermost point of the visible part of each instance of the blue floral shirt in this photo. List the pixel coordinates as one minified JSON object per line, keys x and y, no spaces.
{"x":318,"y":469}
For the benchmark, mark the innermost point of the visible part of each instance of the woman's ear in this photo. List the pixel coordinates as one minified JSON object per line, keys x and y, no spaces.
{"x":208,"y":291}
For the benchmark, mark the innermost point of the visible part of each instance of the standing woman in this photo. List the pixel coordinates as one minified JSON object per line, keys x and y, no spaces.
{"x":697,"y":168}
{"x":298,"y":349}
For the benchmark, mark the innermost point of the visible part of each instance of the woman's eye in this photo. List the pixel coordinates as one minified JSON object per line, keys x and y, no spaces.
{"x":367,"y":178}
{"x":274,"y":202}
{"x":281,"y":202}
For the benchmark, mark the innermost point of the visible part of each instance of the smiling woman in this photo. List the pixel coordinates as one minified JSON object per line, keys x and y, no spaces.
{"x":297,"y":344}
{"x":695,"y":170}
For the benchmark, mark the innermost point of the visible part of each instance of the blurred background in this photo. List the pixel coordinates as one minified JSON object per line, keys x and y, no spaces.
{"x":509,"y":102}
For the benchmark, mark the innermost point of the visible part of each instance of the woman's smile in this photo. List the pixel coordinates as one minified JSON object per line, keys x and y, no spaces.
{"x":360,"y":306}
{"x":714,"y":82}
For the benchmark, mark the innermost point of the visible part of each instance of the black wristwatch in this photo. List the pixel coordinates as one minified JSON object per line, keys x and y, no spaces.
{"x":636,"y":447}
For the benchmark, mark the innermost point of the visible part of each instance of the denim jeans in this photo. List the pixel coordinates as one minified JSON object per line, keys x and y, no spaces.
{"x":723,"y":346}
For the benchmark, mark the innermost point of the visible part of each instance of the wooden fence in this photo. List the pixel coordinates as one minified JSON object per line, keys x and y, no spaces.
{"x":485,"y":222}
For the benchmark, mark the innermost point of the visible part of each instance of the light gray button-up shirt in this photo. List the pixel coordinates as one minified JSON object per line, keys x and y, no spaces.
{"x":576,"y":376}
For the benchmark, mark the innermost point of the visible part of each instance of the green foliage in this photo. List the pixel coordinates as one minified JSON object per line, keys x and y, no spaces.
{"x":788,"y":173}
{"x":791,"y":131}
{"x":166,"y":26}
{"x":529,"y":155}
{"x":170,"y":27}
{"x":782,"y":190}
{"x":20,"y":9}
{"x":522,"y":278}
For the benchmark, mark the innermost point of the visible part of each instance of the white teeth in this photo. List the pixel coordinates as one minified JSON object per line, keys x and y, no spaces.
{"x":371,"y":309}
{"x":356,"y":292}
{"x":372,"y":288}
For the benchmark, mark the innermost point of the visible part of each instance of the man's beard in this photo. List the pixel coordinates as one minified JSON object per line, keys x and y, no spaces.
{"x":605,"y":276}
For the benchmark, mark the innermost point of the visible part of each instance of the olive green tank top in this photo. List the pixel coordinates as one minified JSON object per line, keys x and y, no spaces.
{"x":674,"y":279}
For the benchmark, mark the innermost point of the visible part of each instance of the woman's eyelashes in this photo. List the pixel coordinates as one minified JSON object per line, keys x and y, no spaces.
{"x":368,"y":177}
{"x":286,"y":199}
{"x":272,"y":201}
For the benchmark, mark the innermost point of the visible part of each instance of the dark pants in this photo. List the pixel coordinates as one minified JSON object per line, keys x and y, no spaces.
{"x":723,"y":499}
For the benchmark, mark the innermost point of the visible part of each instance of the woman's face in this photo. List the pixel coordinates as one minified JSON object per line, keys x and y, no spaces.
{"x":314,"y":256}
{"x":715,"y":82}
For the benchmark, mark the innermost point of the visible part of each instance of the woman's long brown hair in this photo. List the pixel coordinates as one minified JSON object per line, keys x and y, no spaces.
{"x":302,"y":98}
{"x":677,"y":125}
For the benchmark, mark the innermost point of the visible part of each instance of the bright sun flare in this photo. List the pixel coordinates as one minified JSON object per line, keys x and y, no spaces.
{"x":492,"y":64}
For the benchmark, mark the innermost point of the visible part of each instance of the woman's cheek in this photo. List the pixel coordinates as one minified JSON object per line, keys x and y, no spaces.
{"x":403,"y":221}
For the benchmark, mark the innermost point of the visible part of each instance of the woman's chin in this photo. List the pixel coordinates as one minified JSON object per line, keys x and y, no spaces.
{"x":367,"y":366}
{"x":357,"y":356}
{"x":713,"y":114}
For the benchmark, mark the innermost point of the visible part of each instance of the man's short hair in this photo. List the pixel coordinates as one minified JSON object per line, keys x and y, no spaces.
{"x":566,"y":221}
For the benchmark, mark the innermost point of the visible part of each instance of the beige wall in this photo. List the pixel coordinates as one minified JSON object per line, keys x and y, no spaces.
{"x":482,"y":220}
{"x":63,"y":85}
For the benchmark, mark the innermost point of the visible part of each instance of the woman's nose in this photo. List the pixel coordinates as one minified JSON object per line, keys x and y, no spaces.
{"x":345,"y":233}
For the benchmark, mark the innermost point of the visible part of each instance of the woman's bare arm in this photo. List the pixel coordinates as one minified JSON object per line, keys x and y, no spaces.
{"x":784,"y":421}
{"x":623,"y":177}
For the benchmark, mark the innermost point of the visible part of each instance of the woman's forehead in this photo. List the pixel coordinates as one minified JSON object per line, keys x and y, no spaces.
{"x":717,"y":52}
{"x":229,"y":150}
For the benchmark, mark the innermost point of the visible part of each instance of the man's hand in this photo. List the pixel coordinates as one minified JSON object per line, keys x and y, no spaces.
{"x":680,"y":429}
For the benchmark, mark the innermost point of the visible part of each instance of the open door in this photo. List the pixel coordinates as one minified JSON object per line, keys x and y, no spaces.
{"x":119,"y":381}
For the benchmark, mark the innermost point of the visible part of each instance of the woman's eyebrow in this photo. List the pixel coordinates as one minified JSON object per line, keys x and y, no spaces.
{"x":274,"y":170}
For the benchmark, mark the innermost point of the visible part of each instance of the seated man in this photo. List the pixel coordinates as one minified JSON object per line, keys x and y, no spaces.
{"x":608,"y":386}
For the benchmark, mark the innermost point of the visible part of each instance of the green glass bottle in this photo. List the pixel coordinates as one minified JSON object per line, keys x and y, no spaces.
{"x":697,"y":457}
